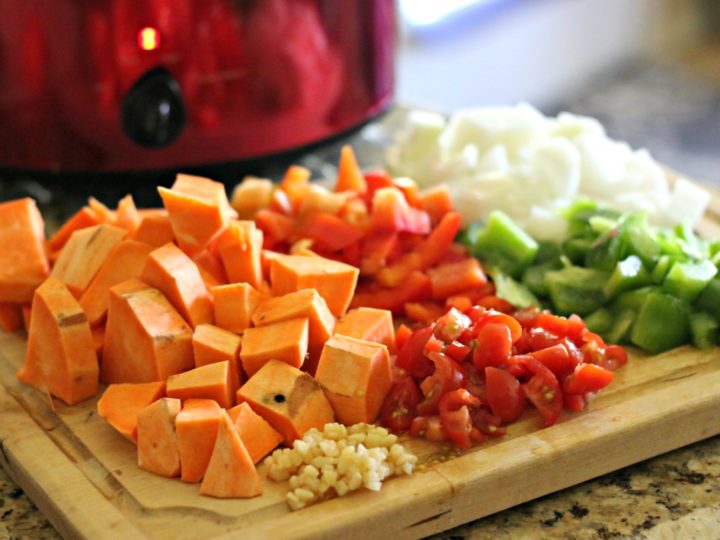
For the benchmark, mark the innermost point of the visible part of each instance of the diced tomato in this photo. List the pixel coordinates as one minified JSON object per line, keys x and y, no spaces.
{"x":504,"y":394}
{"x":574,"y":402}
{"x":451,"y":325}
{"x":572,"y":327}
{"x":615,"y":357}
{"x":539,"y":338}
{"x":411,"y":357}
{"x":401,"y":336}
{"x":528,"y":316}
{"x":429,"y":427}
{"x":493,"y":345}
{"x":455,"y":415}
{"x":475,"y":381}
{"x":487,"y":423}
{"x":556,"y":359}
{"x":447,"y":376}
{"x":457,"y":351}
{"x":587,"y":378}
{"x":495,"y":317}
{"x":543,"y":390}
{"x":400,"y":404}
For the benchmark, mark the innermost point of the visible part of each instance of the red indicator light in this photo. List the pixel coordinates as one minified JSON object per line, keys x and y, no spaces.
{"x":148,"y":38}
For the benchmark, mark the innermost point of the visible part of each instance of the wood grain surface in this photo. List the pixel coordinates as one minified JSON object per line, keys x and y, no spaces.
{"x":83,"y":476}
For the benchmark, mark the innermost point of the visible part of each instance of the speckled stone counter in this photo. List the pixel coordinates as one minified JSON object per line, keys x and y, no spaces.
{"x":676,"y":495}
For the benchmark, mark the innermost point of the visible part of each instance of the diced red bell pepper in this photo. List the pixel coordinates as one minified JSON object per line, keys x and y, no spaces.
{"x":391,"y":212}
{"x":415,"y":288}
{"x":276,"y":227}
{"x":330,"y":232}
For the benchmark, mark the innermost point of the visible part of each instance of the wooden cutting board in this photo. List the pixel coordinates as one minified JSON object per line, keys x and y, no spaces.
{"x":83,"y":477}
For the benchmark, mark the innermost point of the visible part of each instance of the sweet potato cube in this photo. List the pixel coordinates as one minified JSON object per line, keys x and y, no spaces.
{"x":334,"y":281}
{"x":198,"y":209}
{"x":98,"y":335}
{"x":171,"y":271}
{"x":156,"y":438}
{"x":369,"y":324}
{"x":23,"y":263}
{"x":231,"y":472}
{"x":211,"y":381}
{"x":285,"y":341}
{"x":83,"y":255}
{"x":356,"y":375}
{"x":60,"y":356}
{"x":127,"y":215}
{"x":235,"y":305}
{"x":197,"y":425}
{"x":146,"y":339}
{"x":211,"y":268}
{"x":120,"y":405}
{"x":212,"y":344}
{"x":124,"y":262}
{"x":290,"y":400}
{"x":259,"y":437}
{"x":11,"y":318}
{"x":155,"y":229}
{"x":305,"y":303}
{"x":240,"y":248}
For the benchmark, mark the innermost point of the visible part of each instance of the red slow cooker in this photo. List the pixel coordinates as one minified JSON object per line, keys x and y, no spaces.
{"x":129,"y":85}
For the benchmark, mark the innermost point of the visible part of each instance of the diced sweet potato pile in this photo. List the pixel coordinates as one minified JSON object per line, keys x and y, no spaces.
{"x":222,"y":327}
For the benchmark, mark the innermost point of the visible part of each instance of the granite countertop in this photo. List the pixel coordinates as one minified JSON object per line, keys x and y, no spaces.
{"x":676,"y":495}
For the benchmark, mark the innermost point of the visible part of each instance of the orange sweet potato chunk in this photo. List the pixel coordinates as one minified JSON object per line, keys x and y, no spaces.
{"x":171,"y":271}
{"x":211,"y":268}
{"x":127,"y":215}
{"x":212,"y":344}
{"x":334,"y":281}
{"x":146,"y":339}
{"x":259,"y":437}
{"x":155,"y":229}
{"x":197,"y":426}
{"x":235,"y":305}
{"x":83,"y":218}
{"x":198,"y":209}
{"x":285,"y":341}
{"x":369,"y":324}
{"x":124,"y":262}
{"x":83,"y":255}
{"x":157,"y":443}
{"x":211,"y":381}
{"x":290,"y":400}
{"x":60,"y":356}
{"x":356,"y":375}
{"x":120,"y":405}
{"x":23,"y":263}
{"x":230,"y":472}
{"x":240,"y":248}
{"x":11,"y":318}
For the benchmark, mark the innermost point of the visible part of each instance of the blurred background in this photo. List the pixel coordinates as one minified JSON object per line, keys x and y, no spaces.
{"x":648,"y":69}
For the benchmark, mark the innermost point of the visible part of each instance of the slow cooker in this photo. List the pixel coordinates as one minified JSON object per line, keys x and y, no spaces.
{"x":135,"y":85}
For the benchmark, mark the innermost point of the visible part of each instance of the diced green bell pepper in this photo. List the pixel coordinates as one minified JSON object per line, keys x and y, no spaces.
{"x":662,"y":267}
{"x":632,"y":300}
{"x":599,"y":321}
{"x":504,"y":244}
{"x":576,"y":289}
{"x":662,"y":323}
{"x":686,"y":280}
{"x":605,"y":252}
{"x":704,"y":330}
{"x":628,"y":274}
{"x":709,"y":299}
{"x":576,"y":249}
{"x":534,"y":277}
{"x":637,"y":239}
{"x":622,"y":324}
{"x":512,"y":291}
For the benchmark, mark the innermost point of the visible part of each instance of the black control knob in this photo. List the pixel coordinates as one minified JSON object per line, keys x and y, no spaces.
{"x":153,"y":112}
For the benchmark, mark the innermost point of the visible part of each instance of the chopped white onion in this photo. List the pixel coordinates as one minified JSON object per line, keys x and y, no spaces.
{"x":517,"y":160}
